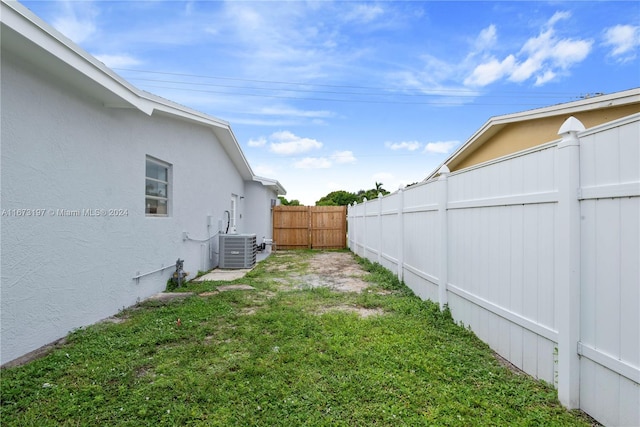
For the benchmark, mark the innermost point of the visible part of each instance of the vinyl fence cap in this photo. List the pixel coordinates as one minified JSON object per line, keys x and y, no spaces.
{"x":443,"y":171}
{"x":571,"y":125}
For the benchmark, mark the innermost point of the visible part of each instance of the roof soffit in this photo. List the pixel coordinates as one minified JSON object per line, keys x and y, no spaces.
{"x":498,"y":123}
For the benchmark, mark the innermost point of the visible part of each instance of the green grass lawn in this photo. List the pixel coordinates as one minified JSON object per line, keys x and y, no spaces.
{"x":278,"y":356}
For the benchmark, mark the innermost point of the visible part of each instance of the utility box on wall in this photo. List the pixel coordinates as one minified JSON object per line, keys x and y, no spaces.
{"x":237,"y":251}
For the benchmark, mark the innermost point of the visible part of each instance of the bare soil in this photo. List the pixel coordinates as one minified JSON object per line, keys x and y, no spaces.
{"x":337,"y":271}
{"x":340,"y":272}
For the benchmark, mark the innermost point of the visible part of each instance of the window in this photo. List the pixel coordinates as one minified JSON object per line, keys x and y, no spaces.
{"x":157,"y":188}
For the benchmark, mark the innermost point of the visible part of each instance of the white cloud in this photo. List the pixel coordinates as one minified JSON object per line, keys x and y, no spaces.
{"x":365,"y":13}
{"x":439,"y":78}
{"x":558,"y":16}
{"x":281,"y":42}
{"x":543,"y":58}
{"x":118,"y":61}
{"x":324,"y":162}
{"x":524,"y":70}
{"x":441,"y":147}
{"x":546,"y":77}
{"x":313,"y":163}
{"x":246,"y":17}
{"x":623,"y":40}
{"x":287,"y":143}
{"x":344,"y":157}
{"x":405,"y":145}
{"x":264,"y":170}
{"x":490,"y":71}
{"x":294,"y":112}
{"x":565,"y":53}
{"x":429,"y":80}
{"x":77,"y":20}
{"x":487,"y":38}
{"x":260,"y":142}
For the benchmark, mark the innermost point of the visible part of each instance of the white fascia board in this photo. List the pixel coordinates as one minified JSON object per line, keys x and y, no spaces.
{"x":221,"y":129}
{"x":594,"y":103}
{"x":171,"y":108}
{"x":464,"y":147}
{"x":24,"y":22}
{"x":232,"y":148}
{"x":267,"y":182}
{"x":38,"y":33}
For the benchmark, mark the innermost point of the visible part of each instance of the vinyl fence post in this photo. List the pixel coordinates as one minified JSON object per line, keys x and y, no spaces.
{"x":364,"y":227}
{"x":349,"y":227}
{"x":444,"y":247}
{"x":401,"y":234}
{"x":356,"y":208}
{"x":379,"y":228}
{"x":567,"y":274}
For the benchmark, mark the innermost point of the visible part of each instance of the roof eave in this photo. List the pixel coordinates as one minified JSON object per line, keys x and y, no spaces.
{"x":271,"y":183}
{"x":24,"y":22}
{"x":115,"y":91}
{"x":491,"y":126}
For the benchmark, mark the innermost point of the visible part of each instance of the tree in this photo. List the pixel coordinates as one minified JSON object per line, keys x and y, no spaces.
{"x":343,"y":198}
{"x":286,"y":202}
{"x":337,"y":198}
{"x":372,"y":193}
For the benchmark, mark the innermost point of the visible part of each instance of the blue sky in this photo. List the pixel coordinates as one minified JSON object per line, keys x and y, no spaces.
{"x":338,"y":95}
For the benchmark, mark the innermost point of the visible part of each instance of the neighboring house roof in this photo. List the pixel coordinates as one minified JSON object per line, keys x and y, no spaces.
{"x":24,"y":33}
{"x":511,"y":133}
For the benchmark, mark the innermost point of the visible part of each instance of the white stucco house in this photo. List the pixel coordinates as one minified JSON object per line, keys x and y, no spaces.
{"x":103,"y":187}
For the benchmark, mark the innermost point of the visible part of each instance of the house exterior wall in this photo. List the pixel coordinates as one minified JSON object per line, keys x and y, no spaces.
{"x":522,"y":135}
{"x":67,"y":158}
{"x":258,"y":210}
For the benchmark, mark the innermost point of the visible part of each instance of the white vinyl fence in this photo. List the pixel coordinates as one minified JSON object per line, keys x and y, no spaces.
{"x":538,"y":253}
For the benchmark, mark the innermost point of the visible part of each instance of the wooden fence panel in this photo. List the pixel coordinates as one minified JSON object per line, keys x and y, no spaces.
{"x":328,"y":227}
{"x":291,"y":227}
{"x":310,"y":227}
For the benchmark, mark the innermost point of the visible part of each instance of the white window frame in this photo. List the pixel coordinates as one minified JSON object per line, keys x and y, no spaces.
{"x":167,"y":183}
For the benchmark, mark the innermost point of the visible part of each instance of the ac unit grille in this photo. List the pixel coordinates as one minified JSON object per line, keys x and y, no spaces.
{"x":237,"y":251}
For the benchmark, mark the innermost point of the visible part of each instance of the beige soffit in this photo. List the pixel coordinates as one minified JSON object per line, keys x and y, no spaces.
{"x":497,"y":123}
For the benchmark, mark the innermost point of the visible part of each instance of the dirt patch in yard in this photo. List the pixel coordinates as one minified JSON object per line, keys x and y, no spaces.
{"x":337,"y":271}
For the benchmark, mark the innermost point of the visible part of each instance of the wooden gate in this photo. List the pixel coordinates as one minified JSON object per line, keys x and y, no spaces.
{"x":310,"y":227}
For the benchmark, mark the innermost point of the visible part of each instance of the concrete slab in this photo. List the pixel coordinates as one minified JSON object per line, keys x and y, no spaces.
{"x":222,"y":275}
{"x":228,"y":275}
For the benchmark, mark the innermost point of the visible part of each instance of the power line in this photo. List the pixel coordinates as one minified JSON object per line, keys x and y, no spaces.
{"x":470,"y":94}
{"x":394,"y":91}
{"x":363,"y":101}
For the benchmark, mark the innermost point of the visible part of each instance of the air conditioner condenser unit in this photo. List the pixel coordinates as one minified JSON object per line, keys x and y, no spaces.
{"x":237,"y":251}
